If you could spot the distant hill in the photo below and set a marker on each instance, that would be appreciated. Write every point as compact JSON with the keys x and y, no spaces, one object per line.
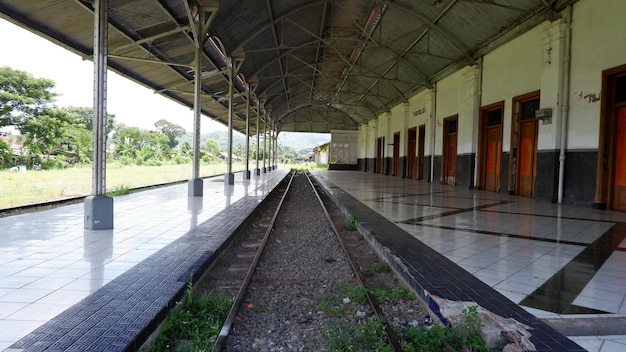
{"x":300,"y":141}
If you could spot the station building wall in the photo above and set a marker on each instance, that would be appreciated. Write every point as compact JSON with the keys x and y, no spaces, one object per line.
{"x":533,"y":63}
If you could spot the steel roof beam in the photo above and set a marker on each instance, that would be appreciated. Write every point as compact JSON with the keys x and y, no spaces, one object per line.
{"x":276,"y":45}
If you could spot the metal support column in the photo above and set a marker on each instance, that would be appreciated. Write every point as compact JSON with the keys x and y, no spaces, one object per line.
{"x":264,"y":141}
{"x":98,"y":207}
{"x":195,"y":184}
{"x":270,"y":148}
{"x":275,"y":145}
{"x":257,"y":171}
{"x":229,"y":177}
{"x":246,"y":172}
{"x":272,"y":142}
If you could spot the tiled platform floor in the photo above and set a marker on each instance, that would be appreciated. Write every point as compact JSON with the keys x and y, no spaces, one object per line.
{"x":99,"y":290}
{"x":556,"y":261}
{"x":50,"y":265}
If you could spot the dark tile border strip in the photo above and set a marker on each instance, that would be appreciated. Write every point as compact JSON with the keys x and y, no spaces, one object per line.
{"x":430,"y":273}
{"x":457,"y":211}
{"x":121,"y":315}
{"x":559,"y":292}
{"x":501,"y":234}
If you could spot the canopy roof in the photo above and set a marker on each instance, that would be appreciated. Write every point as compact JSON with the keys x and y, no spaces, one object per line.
{"x":315,"y":65}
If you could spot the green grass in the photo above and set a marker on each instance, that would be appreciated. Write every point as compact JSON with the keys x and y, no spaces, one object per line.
{"x":198,"y":322}
{"x":351,"y":223}
{"x":369,"y":334}
{"x":377,"y":269}
{"x":195,"y":325}
{"x":21,"y":188}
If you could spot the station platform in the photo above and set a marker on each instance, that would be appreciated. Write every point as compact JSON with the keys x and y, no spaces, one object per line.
{"x":515,"y":256}
{"x":66,"y":288}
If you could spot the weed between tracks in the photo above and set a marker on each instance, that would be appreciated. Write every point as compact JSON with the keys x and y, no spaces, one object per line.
{"x":355,"y":330}
{"x":195,"y":326}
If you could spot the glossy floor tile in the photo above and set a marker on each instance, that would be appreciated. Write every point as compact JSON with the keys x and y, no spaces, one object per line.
{"x":49,"y":262}
{"x":553,"y":260}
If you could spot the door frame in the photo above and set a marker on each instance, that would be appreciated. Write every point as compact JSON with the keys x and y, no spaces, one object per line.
{"x":380,"y":155}
{"x":447,"y":122}
{"x":515,"y":139}
{"x":395,"y":163}
{"x":411,"y":152}
{"x":608,"y":137}
{"x":482,"y":147}
{"x":421,"y":144}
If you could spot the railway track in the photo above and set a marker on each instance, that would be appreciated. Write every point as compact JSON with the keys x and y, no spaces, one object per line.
{"x":282,"y":269}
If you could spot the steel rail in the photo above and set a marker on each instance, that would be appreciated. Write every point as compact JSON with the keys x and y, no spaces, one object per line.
{"x":391,"y":336}
{"x":230,"y":319}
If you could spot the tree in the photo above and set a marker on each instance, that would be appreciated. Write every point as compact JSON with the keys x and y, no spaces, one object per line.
{"x":6,"y":154}
{"x":45,"y":131}
{"x":22,"y":96}
{"x":212,"y":147}
{"x":288,"y":154}
{"x":127,"y":140}
{"x":84,"y":116}
{"x":79,"y":141}
{"x":141,"y":145}
{"x":154,"y":145}
{"x":240,"y":151}
{"x":171,"y":130}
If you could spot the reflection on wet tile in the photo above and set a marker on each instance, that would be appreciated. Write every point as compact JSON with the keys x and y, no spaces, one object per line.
{"x":543,"y":242}
{"x":48,"y":262}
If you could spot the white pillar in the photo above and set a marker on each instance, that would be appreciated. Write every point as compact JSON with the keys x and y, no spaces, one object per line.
{"x":246,"y":172}
{"x":257,"y":170}
{"x":229,"y":177}
{"x":195,"y":184}
{"x":98,"y":209}
{"x":264,"y":141}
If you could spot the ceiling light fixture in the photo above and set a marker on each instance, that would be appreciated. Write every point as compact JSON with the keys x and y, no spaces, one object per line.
{"x":438,"y":3}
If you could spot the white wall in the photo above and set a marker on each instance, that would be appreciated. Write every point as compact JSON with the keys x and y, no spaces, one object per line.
{"x":455,"y":96}
{"x":343,"y":138}
{"x":528,"y":63}
{"x":598,"y":43}
{"x":512,"y":70}
{"x":420,"y":113}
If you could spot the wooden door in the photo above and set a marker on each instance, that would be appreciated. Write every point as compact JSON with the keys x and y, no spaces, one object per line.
{"x":449,"y":150}
{"x":493,"y":149}
{"x":527,"y":163}
{"x":619,"y":178}
{"x":490,"y":148}
{"x":420,"y":152}
{"x":380,"y":154}
{"x":611,"y":167}
{"x":410,"y":153}
{"x":396,"y":154}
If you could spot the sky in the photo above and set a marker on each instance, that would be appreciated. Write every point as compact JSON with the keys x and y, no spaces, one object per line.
{"x":132,"y":104}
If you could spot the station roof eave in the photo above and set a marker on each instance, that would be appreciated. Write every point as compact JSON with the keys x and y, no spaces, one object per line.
{"x":314,"y":65}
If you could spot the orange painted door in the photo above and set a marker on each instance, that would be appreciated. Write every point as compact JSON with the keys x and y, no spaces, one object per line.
{"x":451,"y":159}
{"x":619,"y":184}
{"x":527,"y":162}
{"x":492,"y":159}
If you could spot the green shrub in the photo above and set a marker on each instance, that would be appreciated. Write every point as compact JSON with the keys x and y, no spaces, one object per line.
{"x":351,"y":223}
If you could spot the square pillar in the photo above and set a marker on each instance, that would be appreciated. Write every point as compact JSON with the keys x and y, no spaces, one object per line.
{"x":98,"y":212}
{"x":195,"y":187}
